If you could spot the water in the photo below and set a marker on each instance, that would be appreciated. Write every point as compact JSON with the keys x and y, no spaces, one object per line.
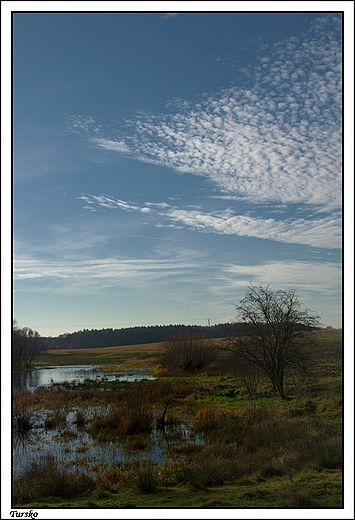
{"x":72,"y":444}
{"x":77,"y":449}
{"x":74,"y":374}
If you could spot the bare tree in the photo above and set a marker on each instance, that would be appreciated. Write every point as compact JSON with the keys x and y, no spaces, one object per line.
{"x":279,"y":333}
{"x":26,"y":346}
{"x":186,"y":352}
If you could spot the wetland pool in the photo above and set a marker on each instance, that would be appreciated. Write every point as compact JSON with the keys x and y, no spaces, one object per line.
{"x":73,"y":445}
{"x":76,"y":449}
{"x":75,"y":374}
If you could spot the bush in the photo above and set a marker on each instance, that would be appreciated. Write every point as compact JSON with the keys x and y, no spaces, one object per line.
{"x":80,"y":418}
{"x":137,"y":416}
{"x":301,"y":497}
{"x":271,"y":470}
{"x":329,"y":454}
{"x":187,"y":353}
{"x":129,"y":416}
{"x":146,"y":481}
{"x":250,"y":375}
{"x":55,"y":418}
{"x":171,"y":473}
{"x":210,"y":418}
{"x":47,"y":478}
{"x":134,"y":443}
{"x":208,"y":471}
{"x":23,"y":418}
{"x":108,"y":476}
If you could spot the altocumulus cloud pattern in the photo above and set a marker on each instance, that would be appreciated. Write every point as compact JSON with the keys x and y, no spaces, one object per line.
{"x":276,"y":140}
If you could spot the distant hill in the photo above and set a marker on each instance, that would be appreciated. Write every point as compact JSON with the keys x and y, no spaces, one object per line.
{"x":138,"y":335}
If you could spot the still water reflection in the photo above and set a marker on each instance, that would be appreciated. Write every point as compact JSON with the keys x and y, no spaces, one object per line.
{"x":74,"y":374}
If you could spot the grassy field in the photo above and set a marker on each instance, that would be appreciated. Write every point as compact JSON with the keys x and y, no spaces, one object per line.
{"x":130,"y":356}
{"x":258,"y":451}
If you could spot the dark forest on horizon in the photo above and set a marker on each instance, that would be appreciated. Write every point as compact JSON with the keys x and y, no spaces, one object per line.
{"x":109,"y":337}
{"x":139,"y":335}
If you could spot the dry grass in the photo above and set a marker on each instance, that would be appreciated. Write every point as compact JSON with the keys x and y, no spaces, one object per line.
{"x":101,"y":350}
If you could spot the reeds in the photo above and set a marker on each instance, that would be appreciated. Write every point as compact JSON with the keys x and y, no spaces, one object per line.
{"x":131,"y":415}
{"x":146,"y":481}
{"x":46,"y":477}
{"x":23,"y":418}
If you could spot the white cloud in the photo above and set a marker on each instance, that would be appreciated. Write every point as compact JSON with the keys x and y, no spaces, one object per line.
{"x":310,"y":276}
{"x":278,"y":141}
{"x":322,"y":232}
{"x":108,"y":202}
{"x":316,"y":283}
{"x":109,"y":144}
{"x":102,"y":274}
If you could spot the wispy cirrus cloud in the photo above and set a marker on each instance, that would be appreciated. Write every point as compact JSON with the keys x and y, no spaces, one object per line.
{"x":321,"y":232}
{"x":108,"y":202}
{"x":324,"y":277}
{"x":316,"y":282}
{"x":225,"y":280}
{"x":103,"y":274}
{"x":325,"y":232}
{"x":278,"y":140}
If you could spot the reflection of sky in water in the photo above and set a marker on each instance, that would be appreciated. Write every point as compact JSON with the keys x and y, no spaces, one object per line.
{"x":68,"y":448}
{"x":30,"y":379}
{"x":67,"y":442}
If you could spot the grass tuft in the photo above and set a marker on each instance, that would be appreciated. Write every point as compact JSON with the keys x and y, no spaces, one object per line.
{"x":301,"y":497}
{"x":46,"y":477}
{"x":146,"y":481}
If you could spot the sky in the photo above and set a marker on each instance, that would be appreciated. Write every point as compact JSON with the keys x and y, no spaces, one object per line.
{"x":162,"y":162}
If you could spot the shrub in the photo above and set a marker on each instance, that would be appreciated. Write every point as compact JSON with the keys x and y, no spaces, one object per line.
{"x":46,"y":477}
{"x":209,"y":418}
{"x":271,"y":470}
{"x":109,"y":476}
{"x":134,"y":444}
{"x":80,"y":418}
{"x":137,"y":416}
{"x":129,"y":416}
{"x":329,"y":454}
{"x":187,"y":353}
{"x":206,"y":472}
{"x":250,"y":375}
{"x":23,"y":418}
{"x":23,"y":422}
{"x":146,"y":481}
{"x":301,"y":497}
{"x":171,"y":473}
{"x":55,"y":418}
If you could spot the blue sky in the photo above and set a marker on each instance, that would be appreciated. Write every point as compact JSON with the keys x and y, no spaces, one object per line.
{"x":162,"y":162}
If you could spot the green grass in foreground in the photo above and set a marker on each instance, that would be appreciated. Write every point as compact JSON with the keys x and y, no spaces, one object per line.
{"x":307,"y":490}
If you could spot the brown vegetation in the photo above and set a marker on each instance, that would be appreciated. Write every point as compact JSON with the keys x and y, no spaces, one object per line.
{"x":263,"y":448}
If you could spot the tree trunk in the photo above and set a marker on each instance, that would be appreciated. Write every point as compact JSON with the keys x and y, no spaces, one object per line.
{"x":277,"y":383}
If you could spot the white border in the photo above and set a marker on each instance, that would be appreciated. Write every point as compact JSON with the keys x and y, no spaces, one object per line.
{"x":6,"y":273}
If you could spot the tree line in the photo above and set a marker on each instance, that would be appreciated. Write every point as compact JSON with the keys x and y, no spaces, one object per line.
{"x":138,"y":335}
